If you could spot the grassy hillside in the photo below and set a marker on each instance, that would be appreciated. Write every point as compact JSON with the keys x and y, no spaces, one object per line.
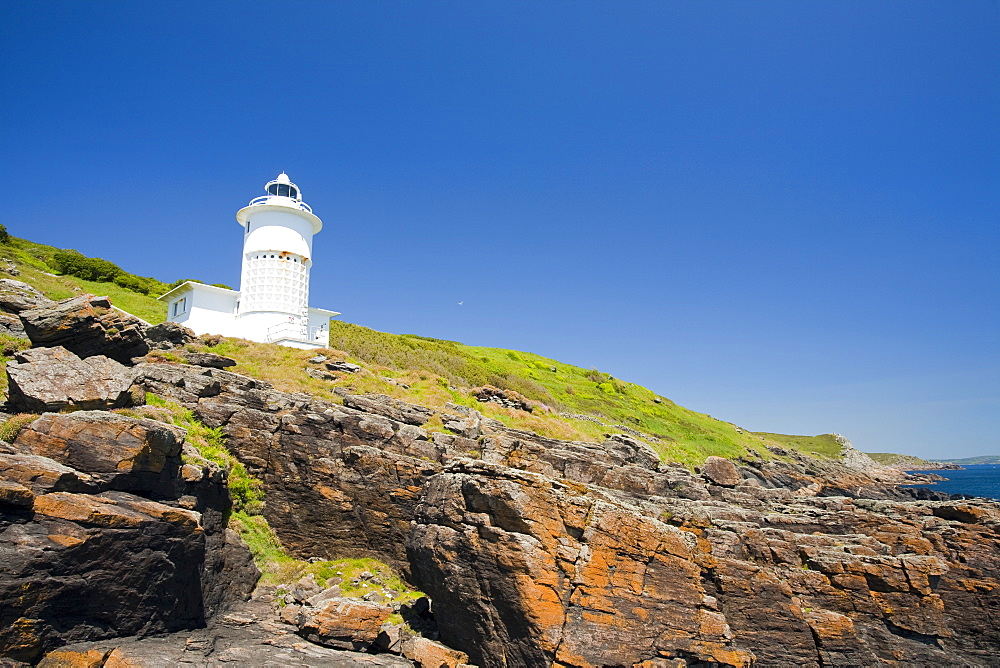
{"x":568,"y":402}
{"x":38,"y":268}
{"x":824,"y":445}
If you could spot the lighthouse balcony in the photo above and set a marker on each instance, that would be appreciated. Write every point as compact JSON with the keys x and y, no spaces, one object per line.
{"x":281,"y":201}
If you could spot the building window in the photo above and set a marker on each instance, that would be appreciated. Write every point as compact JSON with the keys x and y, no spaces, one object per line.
{"x":180,"y":306}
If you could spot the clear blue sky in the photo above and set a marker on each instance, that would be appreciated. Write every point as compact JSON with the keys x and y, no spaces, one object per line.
{"x":784,"y":214}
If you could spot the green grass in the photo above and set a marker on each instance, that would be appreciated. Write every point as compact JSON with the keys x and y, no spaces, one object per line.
{"x":13,"y":425}
{"x":438,"y":371}
{"x":277,"y":567}
{"x":8,"y":346}
{"x":267,"y":551}
{"x":679,"y":434}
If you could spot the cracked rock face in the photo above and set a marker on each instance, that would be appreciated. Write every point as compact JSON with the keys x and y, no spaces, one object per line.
{"x":537,"y":551}
{"x":104,"y":533}
{"x":54,"y":379}
{"x":86,"y":325}
{"x":528,"y":570}
{"x":17,"y":296}
{"x":524,"y":569}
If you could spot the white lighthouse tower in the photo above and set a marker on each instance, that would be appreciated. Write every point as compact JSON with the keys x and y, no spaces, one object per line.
{"x":272,"y":304}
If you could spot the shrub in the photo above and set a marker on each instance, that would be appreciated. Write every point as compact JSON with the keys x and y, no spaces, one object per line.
{"x":133,"y":283}
{"x":4,"y":235}
{"x":76,"y":264}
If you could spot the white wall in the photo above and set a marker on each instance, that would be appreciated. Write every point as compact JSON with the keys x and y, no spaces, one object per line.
{"x":206,"y":310}
{"x":278,"y":231}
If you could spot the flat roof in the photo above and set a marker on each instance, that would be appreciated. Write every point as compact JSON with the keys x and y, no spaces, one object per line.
{"x":193,"y":285}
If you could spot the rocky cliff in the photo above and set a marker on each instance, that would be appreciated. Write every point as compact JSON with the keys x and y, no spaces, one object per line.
{"x":533,"y":551}
{"x":539,"y":552}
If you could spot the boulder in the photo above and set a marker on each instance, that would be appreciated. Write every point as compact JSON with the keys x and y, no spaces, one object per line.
{"x":429,"y":654}
{"x":394,"y":409}
{"x":83,"y":558}
{"x":346,"y":367}
{"x":344,"y":623}
{"x":11,"y":326}
{"x":54,"y":379}
{"x":181,"y":382}
{"x":135,"y":454}
{"x":170,"y":335}
{"x":86,"y":325}
{"x":505,"y":398}
{"x":97,"y":566}
{"x":721,"y":471}
{"x":319,"y":374}
{"x":40,"y":475}
{"x":17,"y":296}
{"x":246,"y":636}
{"x":209,"y":359}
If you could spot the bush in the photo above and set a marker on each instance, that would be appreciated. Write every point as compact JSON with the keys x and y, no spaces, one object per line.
{"x":4,"y":235}
{"x":133,"y":283}
{"x":88,"y":268}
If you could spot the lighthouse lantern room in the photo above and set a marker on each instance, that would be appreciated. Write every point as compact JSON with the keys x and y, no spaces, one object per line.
{"x":272,"y":304}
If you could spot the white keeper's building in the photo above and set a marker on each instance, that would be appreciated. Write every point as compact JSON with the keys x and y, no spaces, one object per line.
{"x":272,"y":304}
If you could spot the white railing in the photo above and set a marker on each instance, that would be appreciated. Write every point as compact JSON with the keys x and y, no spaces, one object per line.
{"x":295,"y":203}
{"x":285,"y":330}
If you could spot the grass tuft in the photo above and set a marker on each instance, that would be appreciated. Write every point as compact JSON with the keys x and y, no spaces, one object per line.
{"x":13,"y":425}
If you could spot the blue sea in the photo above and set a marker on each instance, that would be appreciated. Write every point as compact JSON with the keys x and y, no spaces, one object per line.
{"x":975,"y":479}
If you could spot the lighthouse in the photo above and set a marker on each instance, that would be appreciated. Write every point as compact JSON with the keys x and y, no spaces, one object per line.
{"x":272,"y":304}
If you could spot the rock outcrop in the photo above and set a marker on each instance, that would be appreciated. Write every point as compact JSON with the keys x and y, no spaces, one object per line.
{"x":525,"y":570}
{"x":104,"y":532}
{"x":247,"y":636}
{"x":168,"y":335}
{"x":54,"y":379}
{"x":522,"y":566}
{"x":86,"y":325}
{"x":209,"y":359}
{"x":17,"y":296}
{"x":538,"y":551}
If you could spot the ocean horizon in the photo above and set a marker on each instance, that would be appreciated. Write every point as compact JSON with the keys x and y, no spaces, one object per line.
{"x":974,"y":479}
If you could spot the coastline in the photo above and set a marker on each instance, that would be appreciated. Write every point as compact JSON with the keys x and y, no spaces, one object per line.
{"x":973,"y":482}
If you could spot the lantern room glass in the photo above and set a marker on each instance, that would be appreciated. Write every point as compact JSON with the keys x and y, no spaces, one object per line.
{"x":282,"y":190}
